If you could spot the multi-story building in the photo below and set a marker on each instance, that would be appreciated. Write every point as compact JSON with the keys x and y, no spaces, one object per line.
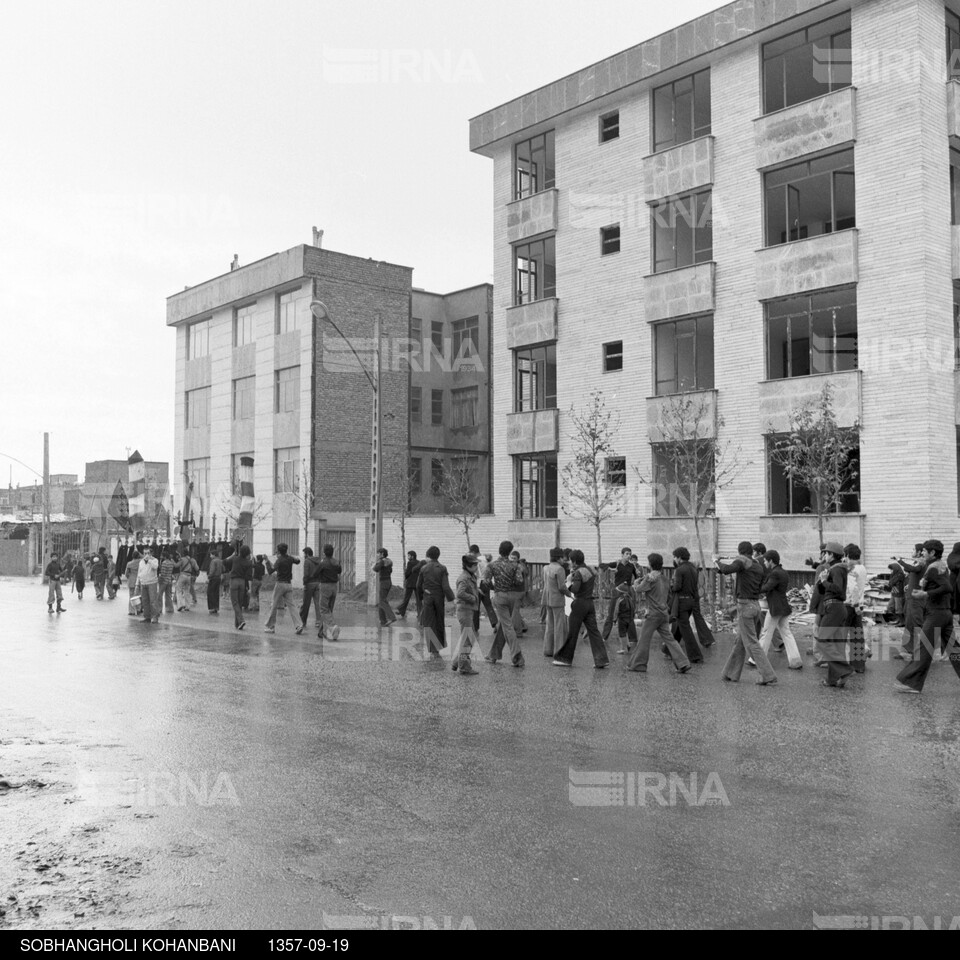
{"x":100,"y":481}
{"x":744,"y":208}
{"x":64,"y":497}
{"x":259,"y":376}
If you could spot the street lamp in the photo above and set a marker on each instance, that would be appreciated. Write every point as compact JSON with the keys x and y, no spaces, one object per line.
{"x":374,"y":530}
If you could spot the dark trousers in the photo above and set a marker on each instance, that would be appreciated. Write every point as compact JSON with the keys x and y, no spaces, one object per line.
{"x":237,"y":589}
{"x":311,"y":592}
{"x":683,"y":632}
{"x":937,"y":630}
{"x":213,"y":594}
{"x":432,"y":621}
{"x":832,"y":640}
{"x":383,"y":605}
{"x":488,"y":607}
{"x":858,"y":647}
{"x":704,"y":633}
{"x":584,"y":614}
{"x":914,"y":613}
{"x":408,"y":594}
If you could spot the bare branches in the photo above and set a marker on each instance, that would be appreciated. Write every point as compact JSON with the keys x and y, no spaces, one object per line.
{"x":461,"y":492}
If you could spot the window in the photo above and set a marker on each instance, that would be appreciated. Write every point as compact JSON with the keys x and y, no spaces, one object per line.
{"x":235,"y":472}
{"x":198,"y":473}
{"x":953,"y":45}
{"x":416,"y":330}
{"x":197,"y":407}
{"x":286,"y":470}
{"x":681,"y":111}
{"x":416,"y":404}
{"x":536,"y":276}
{"x":610,"y":126}
{"x":198,"y":340}
{"x":536,"y":487}
{"x":244,"y":398}
{"x":615,"y":471}
{"x":287,"y":390}
{"x":466,"y":337}
{"x":291,"y":537}
{"x":609,"y":240}
{"x":955,"y":187}
{"x":812,"y":334}
{"x":288,"y":318}
{"x":956,"y":326}
{"x":436,"y":407}
{"x":613,"y":356}
{"x":536,"y":378}
{"x":807,"y":64}
{"x":683,"y":355}
{"x":682,"y":231}
{"x":535,"y":165}
{"x":436,"y":336}
{"x":465,"y":404}
{"x":243,"y":325}
{"x":673,"y":494}
{"x":810,"y":199}
{"x":416,"y":476}
{"x":789,"y":496}
{"x":436,"y":477}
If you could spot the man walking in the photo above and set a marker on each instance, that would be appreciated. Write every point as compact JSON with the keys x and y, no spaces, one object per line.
{"x":53,"y":573}
{"x":654,"y":590}
{"x":311,"y":586}
{"x":749,"y":580}
{"x":383,"y":568}
{"x":214,"y":580}
{"x":856,"y":588}
{"x":183,"y":574}
{"x":330,"y":572}
{"x":99,"y":572}
{"x":914,"y":610}
{"x":148,"y":579}
{"x":624,"y":572}
{"x":485,"y":600}
{"x":686,"y":592}
{"x":832,"y":632}
{"x":506,"y":580}
{"x":410,"y":574}
{"x":131,"y":573}
{"x":774,"y":588}
{"x":554,"y":592}
{"x":283,"y":591}
{"x":168,"y":571}
{"x":467,"y":596}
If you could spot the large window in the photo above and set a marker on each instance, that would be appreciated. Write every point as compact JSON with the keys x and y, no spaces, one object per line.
{"x":288,"y":317}
{"x":807,"y":64}
{"x":536,"y":378}
{"x":436,"y":407}
{"x":683,"y":355}
{"x":465,"y":404}
{"x":682,"y":231}
{"x":681,"y":111}
{"x":953,"y":45}
{"x":198,"y":473}
{"x":536,"y":487}
{"x":243,"y":324}
{"x":535,"y":165}
{"x":197,"y":407}
{"x":436,"y":477}
{"x":416,"y":404}
{"x":812,"y":334}
{"x":436,"y":336}
{"x":244,"y":398}
{"x":956,"y":326}
{"x":674,"y":495}
{"x":955,"y":187}
{"x":416,"y":476}
{"x":287,"y":390}
{"x":416,"y":331}
{"x":789,"y":496}
{"x":536,"y":270}
{"x":286,"y":470}
{"x":466,"y":337}
{"x":810,"y":198}
{"x":198,"y":339}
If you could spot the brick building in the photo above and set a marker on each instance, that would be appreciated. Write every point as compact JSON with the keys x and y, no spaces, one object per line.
{"x":258,"y":376}
{"x":744,"y":208}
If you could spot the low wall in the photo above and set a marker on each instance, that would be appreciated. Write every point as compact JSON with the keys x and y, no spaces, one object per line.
{"x":15,"y":558}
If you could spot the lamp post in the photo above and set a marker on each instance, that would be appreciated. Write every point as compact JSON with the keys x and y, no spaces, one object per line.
{"x":374,"y":527}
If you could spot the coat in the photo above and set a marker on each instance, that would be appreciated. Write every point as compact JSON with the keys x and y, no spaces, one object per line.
{"x":554,"y":585}
{"x":774,"y":588}
{"x":467,"y":593}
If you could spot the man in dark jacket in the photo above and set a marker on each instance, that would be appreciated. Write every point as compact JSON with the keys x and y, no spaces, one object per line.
{"x":383,"y":568}
{"x":624,"y":571}
{"x":434,"y":582}
{"x":410,"y":574}
{"x":53,"y":573}
{"x":311,"y":586}
{"x":774,"y":588}
{"x":686,"y":592}
{"x":914,"y":607}
{"x":330,"y":572}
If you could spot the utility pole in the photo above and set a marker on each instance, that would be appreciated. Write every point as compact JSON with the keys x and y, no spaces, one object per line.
{"x":45,"y":534}
{"x":376,"y":464}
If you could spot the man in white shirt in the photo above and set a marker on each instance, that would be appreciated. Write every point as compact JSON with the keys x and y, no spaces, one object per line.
{"x":856,"y":589}
{"x":149,"y":580}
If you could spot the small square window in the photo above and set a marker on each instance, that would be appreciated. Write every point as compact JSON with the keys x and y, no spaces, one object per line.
{"x":610,"y":240}
{"x":613,"y":356}
{"x":616,"y":471}
{"x":610,"y":127}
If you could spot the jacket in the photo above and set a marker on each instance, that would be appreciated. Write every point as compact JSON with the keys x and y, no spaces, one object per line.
{"x":936,"y":583}
{"x":505,"y":576}
{"x":655,"y":589}
{"x":622,"y":572}
{"x":468,"y":592}
{"x":554,"y":585}
{"x":835,"y":586}
{"x":215,"y":568}
{"x":624,"y":610}
{"x":410,"y":573}
{"x":749,"y":576}
{"x":330,"y":570}
{"x":434,"y":580}
{"x":774,"y":588}
{"x":582,"y":583}
{"x":686,"y":580}
{"x":384,"y":567}
{"x":311,"y":570}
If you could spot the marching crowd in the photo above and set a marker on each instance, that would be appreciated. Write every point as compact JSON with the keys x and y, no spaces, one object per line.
{"x":924,"y":589}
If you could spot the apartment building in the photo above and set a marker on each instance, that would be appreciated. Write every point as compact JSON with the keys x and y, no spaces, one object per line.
{"x":259,"y":376}
{"x":743,"y":209}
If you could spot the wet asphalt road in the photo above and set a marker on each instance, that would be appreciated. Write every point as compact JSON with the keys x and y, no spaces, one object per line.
{"x":185,"y":776}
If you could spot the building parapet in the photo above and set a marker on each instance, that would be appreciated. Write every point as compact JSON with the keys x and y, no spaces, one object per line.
{"x":532,"y":323}
{"x":532,"y":215}
{"x":699,"y":414}
{"x":679,"y":169}
{"x":828,"y":260}
{"x":778,"y":398}
{"x":536,"y":431}
{"x":680,"y":293}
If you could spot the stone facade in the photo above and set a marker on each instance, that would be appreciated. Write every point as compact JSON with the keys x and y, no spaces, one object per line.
{"x":807,"y":128}
{"x":953,"y":108}
{"x":531,"y":323}
{"x":779,"y":397}
{"x":679,"y":293}
{"x":795,"y":538}
{"x":683,"y":168}
{"x":532,"y":432}
{"x":696,"y":411}
{"x":532,"y":215}
{"x":829,"y":260}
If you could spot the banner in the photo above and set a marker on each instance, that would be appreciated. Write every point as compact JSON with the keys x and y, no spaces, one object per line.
{"x":119,"y":507}
{"x":247,"y":500}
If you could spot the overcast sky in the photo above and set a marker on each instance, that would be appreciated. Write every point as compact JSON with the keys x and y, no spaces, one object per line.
{"x":142,"y":145}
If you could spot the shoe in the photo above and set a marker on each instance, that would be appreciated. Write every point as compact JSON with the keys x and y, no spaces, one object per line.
{"x":751,"y":665}
{"x":144,"y":619}
{"x":799,"y":666}
{"x":840,"y":684}
{"x":821,"y":663}
{"x":466,"y":668}
{"x":727,"y":679}
{"x":903,"y":688}
{"x":269,"y":630}
{"x":242,"y":625}
{"x":685,"y":669}
{"x":562,"y":663}
{"x":766,"y":683}
{"x":491,"y":660}
{"x":61,"y":610}
{"x":299,"y":630}
{"x":49,"y":608}
{"x":636,"y":669}
{"x":335,"y":633}
{"x":520,"y":663}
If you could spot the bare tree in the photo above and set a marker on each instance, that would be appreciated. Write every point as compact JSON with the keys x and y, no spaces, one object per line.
{"x":587,"y":493}
{"x":307,"y":499}
{"x":691,"y":465}
{"x":227,"y":503}
{"x":817,"y":454}
{"x":461,"y":493}
{"x":400,"y":483}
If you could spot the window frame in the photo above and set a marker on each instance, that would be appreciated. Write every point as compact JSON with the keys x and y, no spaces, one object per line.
{"x":436,"y":407}
{"x":539,"y":374}
{"x":246,"y":312}
{"x":701,"y":252}
{"x":199,"y":476}
{"x":521,"y":189}
{"x":696,"y":132}
{"x":194,"y":344}
{"x":706,"y":319}
{"x":661,"y":463}
{"x":609,"y":131}
{"x":234,"y":393}
{"x":281,"y":314}
{"x":468,"y":397}
{"x":615,"y":476}
{"x":437,"y":476}
{"x":466,"y":329}
{"x":805,"y":507}
{"x":546,"y":257}
{"x":543,"y":493}
{"x":610,"y":243}
{"x":608,"y":354}
{"x":416,"y":404}
{"x":280,"y":389}
{"x":281,"y":487}
{"x":190,"y":405}
{"x":952,"y":22}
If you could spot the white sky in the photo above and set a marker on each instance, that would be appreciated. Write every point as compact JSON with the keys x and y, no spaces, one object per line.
{"x":142,"y":145}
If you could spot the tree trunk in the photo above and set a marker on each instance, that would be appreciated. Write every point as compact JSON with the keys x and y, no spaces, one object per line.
{"x":403,"y":538}
{"x":819,"y":530}
{"x":599,"y":547}
{"x":711,"y":605}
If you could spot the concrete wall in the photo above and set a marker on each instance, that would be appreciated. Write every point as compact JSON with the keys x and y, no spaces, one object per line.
{"x":15,"y":558}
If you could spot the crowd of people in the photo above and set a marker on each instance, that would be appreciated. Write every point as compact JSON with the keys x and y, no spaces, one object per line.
{"x":667,"y":603}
